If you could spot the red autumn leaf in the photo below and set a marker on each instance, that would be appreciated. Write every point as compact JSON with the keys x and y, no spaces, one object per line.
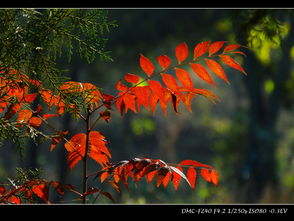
{"x":170,"y":82}
{"x":193,"y":163}
{"x":215,"y":47}
{"x":30,"y":98}
{"x":46,"y":116}
{"x":191,"y":176}
{"x":12,"y":110}
{"x":217,"y":69}
{"x":202,"y":73}
{"x":184,"y":77}
{"x":164,"y":61}
{"x":164,"y":100}
{"x":231,"y":47}
{"x":107,"y":100}
{"x":2,"y":190}
{"x":97,"y":150}
{"x":146,"y":65}
{"x":142,"y":96}
{"x":156,"y":88}
{"x":91,"y":94}
{"x":131,"y":78}
{"x":126,"y":101}
{"x":205,"y":173}
{"x":105,"y":115}
{"x":42,"y":191}
{"x":232,"y":63}
{"x":181,"y":52}
{"x":39,"y":109}
{"x":200,"y":49}
{"x":119,"y":86}
{"x":56,"y":139}
{"x":35,"y":121}
{"x":214,"y":177}
{"x":15,"y":200}
{"x":24,"y":116}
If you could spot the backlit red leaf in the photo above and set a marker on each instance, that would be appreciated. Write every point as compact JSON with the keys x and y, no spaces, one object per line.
{"x":191,"y":175}
{"x":170,"y":82}
{"x":184,"y":77}
{"x":131,"y":78}
{"x":164,"y":61}
{"x":231,"y":47}
{"x":202,"y":73}
{"x":181,"y":52}
{"x":42,"y":191}
{"x":146,"y":65}
{"x":215,"y":47}
{"x":35,"y":121}
{"x":232,"y":63}
{"x":24,"y":116}
{"x":200,"y":49}
{"x":217,"y":69}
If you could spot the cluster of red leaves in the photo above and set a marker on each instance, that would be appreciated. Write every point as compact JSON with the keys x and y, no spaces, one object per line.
{"x":38,"y":187}
{"x":97,"y":149}
{"x":138,"y":168}
{"x":180,"y":88}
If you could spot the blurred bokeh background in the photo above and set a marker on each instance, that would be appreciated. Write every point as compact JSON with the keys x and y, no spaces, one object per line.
{"x":248,"y":136}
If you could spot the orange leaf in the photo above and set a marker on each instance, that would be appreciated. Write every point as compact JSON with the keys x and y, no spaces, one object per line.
{"x":217,"y":69}
{"x":30,"y":97}
{"x":215,"y":47}
{"x":131,"y":78}
{"x":177,"y":174}
{"x":181,"y":52}
{"x":24,"y":116}
{"x":200,"y":49}
{"x":146,"y":65}
{"x":232,"y":63}
{"x":231,"y":47}
{"x":191,"y":175}
{"x":202,"y":73}
{"x":156,"y":88}
{"x":35,"y":121}
{"x":184,"y":77}
{"x":164,"y":61}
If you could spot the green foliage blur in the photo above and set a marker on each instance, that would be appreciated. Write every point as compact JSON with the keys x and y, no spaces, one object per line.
{"x":248,"y":136}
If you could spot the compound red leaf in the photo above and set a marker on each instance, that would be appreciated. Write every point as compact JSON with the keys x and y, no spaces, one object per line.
{"x":164,"y":61}
{"x":202,"y":73}
{"x":231,"y":47}
{"x":181,"y":52}
{"x":217,"y":69}
{"x":97,"y":150}
{"x":191,"y":176}
{"x":131,"y":78}
{"x":215,"y":47}
{"x":232,"y":63}
{"x":200,"y":49}
{"x":146,"y":65}
{"x":184,"y":77}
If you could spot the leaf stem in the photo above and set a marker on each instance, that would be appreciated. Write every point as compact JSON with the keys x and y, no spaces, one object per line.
{"x":85,"y":159}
